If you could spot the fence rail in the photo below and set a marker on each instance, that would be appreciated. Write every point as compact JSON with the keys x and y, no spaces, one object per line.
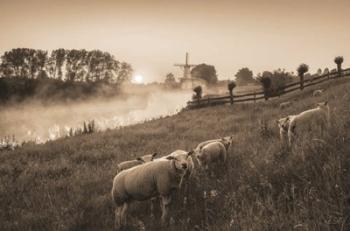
{"x":254,"y":96}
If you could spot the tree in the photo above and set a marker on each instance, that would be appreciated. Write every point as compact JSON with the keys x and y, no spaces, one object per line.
{"x":265,"y":81}
{"x":198,"y":90}
{"x":244,"y":76}
{"x":59,"y":56}
{"x":125,"y":73}
{"x":302,"y":69}
{"x":230,"y":86}
{"x":169,"y":78}
{"x":205,"y":72}
{"x":339,"y":61}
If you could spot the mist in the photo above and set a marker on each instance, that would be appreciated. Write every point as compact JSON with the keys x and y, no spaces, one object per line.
{"x":33,"y":121}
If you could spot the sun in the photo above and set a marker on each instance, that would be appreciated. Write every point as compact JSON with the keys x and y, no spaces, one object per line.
{"x":138,"y":79}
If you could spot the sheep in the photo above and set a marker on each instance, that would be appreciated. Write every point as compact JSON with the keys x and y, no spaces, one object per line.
{"x":308,"y":120}
{"x":317,"y":93}
{"x":139,"y":160}
{"x":285,"y":104}
{"x":227,"y":141}
{"x":146,"y":181}
{"x":212,"y":153}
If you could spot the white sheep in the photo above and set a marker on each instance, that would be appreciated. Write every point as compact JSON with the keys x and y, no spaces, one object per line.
{"x":285,"y":104}
{"x":310,"y":120}
{"x":317,"y":93}
{"x":226,"y":141}
{"x":211,"y":153}
{"x":146,"y":181}
{"x":139,"y":160}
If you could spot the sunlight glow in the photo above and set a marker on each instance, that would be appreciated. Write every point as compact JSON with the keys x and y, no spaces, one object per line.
{"x":138,"y":79}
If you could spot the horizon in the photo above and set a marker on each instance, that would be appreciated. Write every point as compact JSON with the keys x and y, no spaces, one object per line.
{"x":152,"y":36}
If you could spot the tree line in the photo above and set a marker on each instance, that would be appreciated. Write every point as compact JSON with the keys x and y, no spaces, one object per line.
{"x":63,"y":64}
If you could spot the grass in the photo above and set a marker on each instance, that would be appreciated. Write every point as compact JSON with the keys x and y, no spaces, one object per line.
{"x":66,"y":184}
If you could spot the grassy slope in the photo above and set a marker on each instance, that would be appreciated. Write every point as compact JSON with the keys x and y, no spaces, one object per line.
{"x":65,"y":185}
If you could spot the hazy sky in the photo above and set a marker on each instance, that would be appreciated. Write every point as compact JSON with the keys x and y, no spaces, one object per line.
{"x":153,"y":35}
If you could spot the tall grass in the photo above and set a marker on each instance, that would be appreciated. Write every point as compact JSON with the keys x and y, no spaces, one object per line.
{"x":66,"y":184}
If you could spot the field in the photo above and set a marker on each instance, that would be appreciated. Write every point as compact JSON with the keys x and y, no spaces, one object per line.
{"x":66,"y":184}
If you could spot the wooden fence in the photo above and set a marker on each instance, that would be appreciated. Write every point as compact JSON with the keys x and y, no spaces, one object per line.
{"x":255,"y":96}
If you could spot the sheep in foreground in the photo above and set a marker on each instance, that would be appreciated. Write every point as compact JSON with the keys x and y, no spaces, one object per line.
{"x":212,"y":153}
{"x":310,"y":120}
{"x":317,"y":93}
{"x":226,"y":141}
{"x":139,"y":160}
{"x":285,"y":104}
{"x":146,"y":181}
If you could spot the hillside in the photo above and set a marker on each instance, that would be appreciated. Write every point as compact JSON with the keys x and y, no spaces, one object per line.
{"x":66,"y":184}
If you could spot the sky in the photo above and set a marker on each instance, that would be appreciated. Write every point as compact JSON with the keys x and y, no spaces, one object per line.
{"x":154,"y":35}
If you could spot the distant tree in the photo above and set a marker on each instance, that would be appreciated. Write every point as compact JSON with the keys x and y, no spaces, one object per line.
{"x":326,"y":70}
{"x":205,"y":72}
{"x":198,"y":90}
{"x":302,"y":69}
{"x":244,"y":76}
{"x":59,"y":56}
{"x":265,"y":81}
{"x":339,"y":61}
{"x":169,"y":78}
{"x":125,"y":73}
{"x":230,"y":86}
{"x":319,"y":71}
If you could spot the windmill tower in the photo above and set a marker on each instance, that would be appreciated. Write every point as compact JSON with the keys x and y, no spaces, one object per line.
{"x":186,"y":67}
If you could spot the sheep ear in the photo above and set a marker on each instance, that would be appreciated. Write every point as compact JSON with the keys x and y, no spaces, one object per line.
{"x":170,"y":158}
{"x":139,"y":159}
{"x":154,"y":154}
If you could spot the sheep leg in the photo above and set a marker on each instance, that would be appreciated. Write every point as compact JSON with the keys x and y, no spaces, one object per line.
{"x":123,"y":214}
{"x":165,"y":200}
{"x":117,"y":214}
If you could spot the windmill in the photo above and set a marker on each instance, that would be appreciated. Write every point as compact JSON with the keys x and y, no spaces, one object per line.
{"x":186,"y":67}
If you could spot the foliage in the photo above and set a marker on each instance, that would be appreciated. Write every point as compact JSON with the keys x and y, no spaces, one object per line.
{"x":69,"y":65}
{"x":302,"y":69}
{"x":205,"y":72}
{"x":339,"y":60}
{"x":231,"y":85}
{"x":244,"y":76}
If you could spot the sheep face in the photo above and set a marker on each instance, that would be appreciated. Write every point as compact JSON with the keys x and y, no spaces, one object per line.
{"x":202,"y":160}
{"x":323,"y":105}
{"x":147,"y":158}
{"x":181,"y":161}
{"x":283,"y":123}
{"x":227,"y":141}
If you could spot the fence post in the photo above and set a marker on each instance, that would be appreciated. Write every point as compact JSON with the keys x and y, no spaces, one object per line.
{"x":254,"y":97}
{"x":301,"y":82}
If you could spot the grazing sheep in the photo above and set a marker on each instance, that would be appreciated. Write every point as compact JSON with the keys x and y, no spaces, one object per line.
{"x":139,"y":160}
{"x":212,"y":153}
{"x":309,"y":120}
{"x":285,"y":104}
{"x":317,"y":93}
{"x":226,"y":141}
{"x":146,"y":181}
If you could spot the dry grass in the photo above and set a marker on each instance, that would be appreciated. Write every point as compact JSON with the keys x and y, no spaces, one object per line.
{"x":65,"y":185}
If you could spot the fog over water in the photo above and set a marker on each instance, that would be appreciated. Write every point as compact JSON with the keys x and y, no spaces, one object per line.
{"x":33,"y":121}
